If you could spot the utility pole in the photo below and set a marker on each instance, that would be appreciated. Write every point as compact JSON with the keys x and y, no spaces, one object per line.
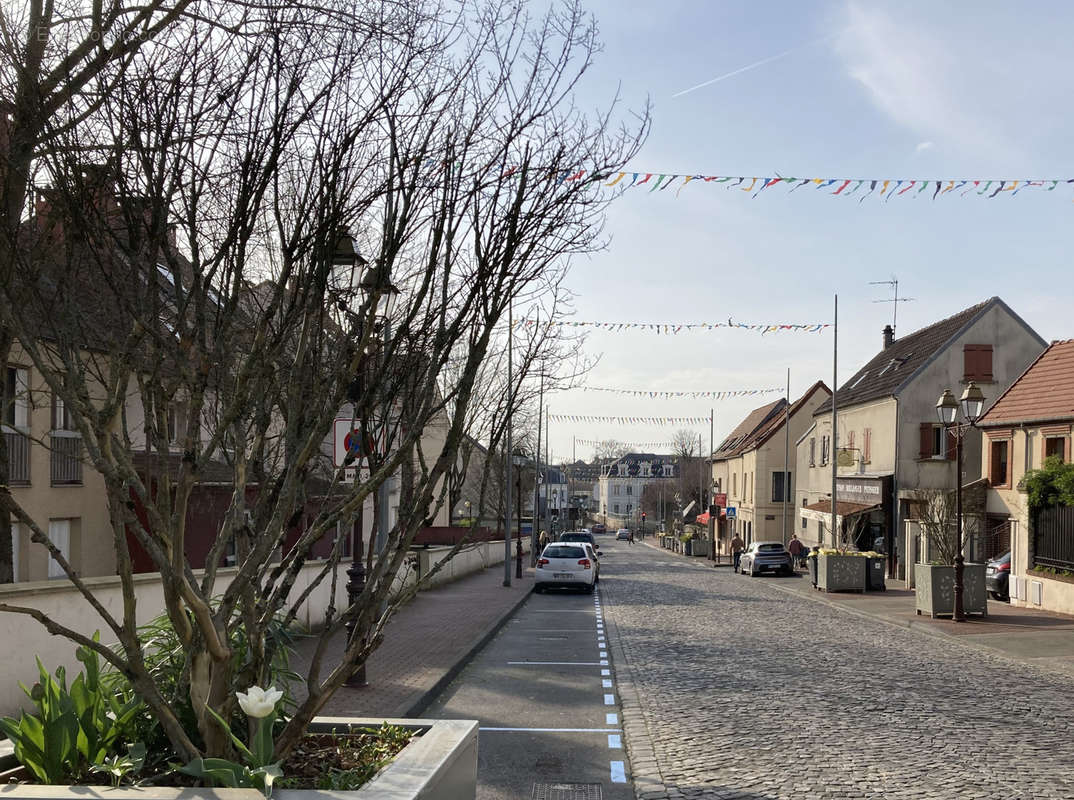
{"x":786,"y":456}
{"x":712,"y":520}
{"x":534,"y":541}
{"x":835,"y":389}
{"x":507,"y":450}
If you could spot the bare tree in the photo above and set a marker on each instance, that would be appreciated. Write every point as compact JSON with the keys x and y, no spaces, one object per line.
{"x":610,"y":450}
{"x":190,"y":287}
{"x":684,"y":443}
{"x":935,"y":513}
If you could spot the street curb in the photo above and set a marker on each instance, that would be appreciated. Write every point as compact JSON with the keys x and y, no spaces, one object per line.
{"x":416,"y":707}
{"x":636,"y":734}
{"x":919,"y":628}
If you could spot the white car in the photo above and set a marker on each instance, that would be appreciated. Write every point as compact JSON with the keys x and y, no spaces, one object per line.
{"x":565,"y":564}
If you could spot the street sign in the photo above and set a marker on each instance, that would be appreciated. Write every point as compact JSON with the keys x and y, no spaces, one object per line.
{"x":720,"y":499}
{"x":732,"y":512}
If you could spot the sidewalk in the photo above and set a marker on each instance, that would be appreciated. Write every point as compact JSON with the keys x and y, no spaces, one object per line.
{"x":1033,"y":637}
{"x":426,"y":643}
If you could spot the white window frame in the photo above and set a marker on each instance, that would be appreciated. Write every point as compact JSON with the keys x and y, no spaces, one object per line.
{"x":59,"y":533}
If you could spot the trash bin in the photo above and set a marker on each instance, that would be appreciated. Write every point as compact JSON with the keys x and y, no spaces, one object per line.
{"x":811,"y":561}
{"x":688,"y":547}
{"x":874,"y":575}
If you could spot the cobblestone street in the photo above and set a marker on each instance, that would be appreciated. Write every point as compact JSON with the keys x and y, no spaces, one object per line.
{"x":733,"y":689}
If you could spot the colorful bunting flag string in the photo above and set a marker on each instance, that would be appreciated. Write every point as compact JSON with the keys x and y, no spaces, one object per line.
{"x":628,"y":420}
{"x":671,"y":328}
{"x":638,"y":445}
{"x":667,"y":395}
{"x":862,"y":188}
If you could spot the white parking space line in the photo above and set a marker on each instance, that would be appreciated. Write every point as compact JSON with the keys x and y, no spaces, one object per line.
{"x":606,"y":683}
{"x":557,"y":663}
{"x":615,"y":741}
{"x":546,"y":730}
{"x":609,"y":699}
{"x":611,"y":719}
{"x":618,"y":772}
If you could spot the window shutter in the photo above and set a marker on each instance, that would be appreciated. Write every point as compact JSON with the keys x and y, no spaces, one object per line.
{"x":867,"y":444}
{"x":925,"y":450}
{"x":952,"y":444}
{"x":984,"y":362}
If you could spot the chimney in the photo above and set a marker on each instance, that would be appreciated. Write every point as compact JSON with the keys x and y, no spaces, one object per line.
{"x":889,"y":336}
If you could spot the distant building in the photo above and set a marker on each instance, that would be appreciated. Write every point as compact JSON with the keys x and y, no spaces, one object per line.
{"x":622,"y":482}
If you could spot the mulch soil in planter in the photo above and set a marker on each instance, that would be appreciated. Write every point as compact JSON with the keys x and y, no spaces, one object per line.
{"x":341,"y":761}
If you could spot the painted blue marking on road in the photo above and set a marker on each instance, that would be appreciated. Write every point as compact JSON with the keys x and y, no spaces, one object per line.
{"x":606,"y":683}
{"x":618,"y":772}
{"x":603,"y":654}
{"x":609,"y":699}
{"x":615,"y":741}
{"x":604,"y":662}
{"x":605,"y":672}
{"x":611,"y":719}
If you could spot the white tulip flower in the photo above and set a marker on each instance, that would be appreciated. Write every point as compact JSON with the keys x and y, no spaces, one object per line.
{"x":258,"y":702}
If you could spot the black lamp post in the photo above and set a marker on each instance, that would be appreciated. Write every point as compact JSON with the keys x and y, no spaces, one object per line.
{"x":375,"y":288}
{"x":972,"y":403}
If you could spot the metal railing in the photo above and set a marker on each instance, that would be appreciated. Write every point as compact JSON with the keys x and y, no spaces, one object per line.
{"x":66,"y":458}
{"x":18,"y":457}
{"x":1053,"y":538}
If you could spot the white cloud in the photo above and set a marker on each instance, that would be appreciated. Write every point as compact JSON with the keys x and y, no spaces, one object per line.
{"x":923,"y":146}
{"x":930,"y":84}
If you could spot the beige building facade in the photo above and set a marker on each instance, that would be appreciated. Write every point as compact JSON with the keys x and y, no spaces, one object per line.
{"x":755,"y":467}
{"x":888,"y":444}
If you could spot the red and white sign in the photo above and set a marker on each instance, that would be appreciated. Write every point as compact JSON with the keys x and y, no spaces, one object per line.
{"x":347,"y":438}
{"x":720,"y":499}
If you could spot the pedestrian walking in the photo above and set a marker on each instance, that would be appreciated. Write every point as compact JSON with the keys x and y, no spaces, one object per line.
{"x":631,"y":539}
{"x":542,"y":540}
{"x":796,"y":549}
{"x":736,"y":551}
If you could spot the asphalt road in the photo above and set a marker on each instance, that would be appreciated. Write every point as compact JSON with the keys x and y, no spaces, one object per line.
{"x":545,"y":695}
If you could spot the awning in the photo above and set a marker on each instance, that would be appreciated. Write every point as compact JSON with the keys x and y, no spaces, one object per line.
{"x":702,"y":519}
{"x":822,"y":511}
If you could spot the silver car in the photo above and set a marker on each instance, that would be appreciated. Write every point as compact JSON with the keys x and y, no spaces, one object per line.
{"x":766,"y":557}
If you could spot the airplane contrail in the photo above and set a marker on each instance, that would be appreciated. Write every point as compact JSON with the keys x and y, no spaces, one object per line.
{"x":754,"y":65}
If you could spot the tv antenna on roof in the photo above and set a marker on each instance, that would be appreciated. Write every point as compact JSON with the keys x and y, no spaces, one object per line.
{"x":894,"y":300}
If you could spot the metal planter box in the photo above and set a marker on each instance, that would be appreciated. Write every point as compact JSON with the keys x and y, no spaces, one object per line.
{"x":441,"y":764}
{"x":839,"y":573}
{"x":935,"y":589}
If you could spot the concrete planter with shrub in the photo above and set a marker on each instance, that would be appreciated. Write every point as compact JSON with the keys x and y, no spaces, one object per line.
{"x":441,"y":763}
{"x":934,"y":589}
{"x":837,"y":572}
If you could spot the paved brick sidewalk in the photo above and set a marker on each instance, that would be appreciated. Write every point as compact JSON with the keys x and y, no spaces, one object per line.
{"x":425,"y":644}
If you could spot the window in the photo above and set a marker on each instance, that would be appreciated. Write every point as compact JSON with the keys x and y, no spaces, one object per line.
{"x":936,"y":442}
{"x":734,"y":485}
{"x":629,"y":508}
{"x":805,"y":523}
{"x":61,"y":419}
{"x":867,"y":445}
{"x":779,"y":480}
{"x":59,"y":533}
{"x":615,"y":490}
{"x":998,"y":474}
{"x":977,"y":362}
{"x":824,"y":449}
{"x":813,"y":452}
{"x":630,"y":489}
{"x":1055,"y":446}
{"x":17,"y":398}
{"x":615,"y":508}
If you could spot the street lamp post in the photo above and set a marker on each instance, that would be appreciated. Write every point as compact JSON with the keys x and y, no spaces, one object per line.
{"x":375,"y":286}
{"x":972,"y":403}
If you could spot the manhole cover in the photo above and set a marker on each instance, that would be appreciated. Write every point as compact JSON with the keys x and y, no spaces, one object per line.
{"x":567,"y":791}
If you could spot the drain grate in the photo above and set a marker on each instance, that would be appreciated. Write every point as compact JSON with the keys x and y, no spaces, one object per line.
{"x":567,"y":791}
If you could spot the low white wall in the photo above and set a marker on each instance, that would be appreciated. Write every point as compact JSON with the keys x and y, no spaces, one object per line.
{"x":24,"y":638}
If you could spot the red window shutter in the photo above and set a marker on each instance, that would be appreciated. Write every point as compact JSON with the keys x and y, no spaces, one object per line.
{"x":952,"y":444}
{"x":926,"y":440}
{"x":969,"y":362}
{"x":984,"y":362}
{"x":867,"y":444}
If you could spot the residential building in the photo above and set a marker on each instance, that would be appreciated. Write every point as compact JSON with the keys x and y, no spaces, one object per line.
{"x":755,"y":468}
{"x":889,"y":445}
{"x":1030,"y":422}
{"x":622,"y":482}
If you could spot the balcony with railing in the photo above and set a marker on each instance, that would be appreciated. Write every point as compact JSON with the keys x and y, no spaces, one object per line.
{"x":66,"y":458}
{"x":18,"y":457}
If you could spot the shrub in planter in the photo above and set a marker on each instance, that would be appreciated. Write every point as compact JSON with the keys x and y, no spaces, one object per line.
{"x":841,"y":571}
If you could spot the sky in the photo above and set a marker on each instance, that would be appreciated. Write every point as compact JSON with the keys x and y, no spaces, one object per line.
{"x":853,"y":89}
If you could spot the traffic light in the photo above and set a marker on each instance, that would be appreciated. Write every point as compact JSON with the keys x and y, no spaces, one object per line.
{"x":643,"y":516}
